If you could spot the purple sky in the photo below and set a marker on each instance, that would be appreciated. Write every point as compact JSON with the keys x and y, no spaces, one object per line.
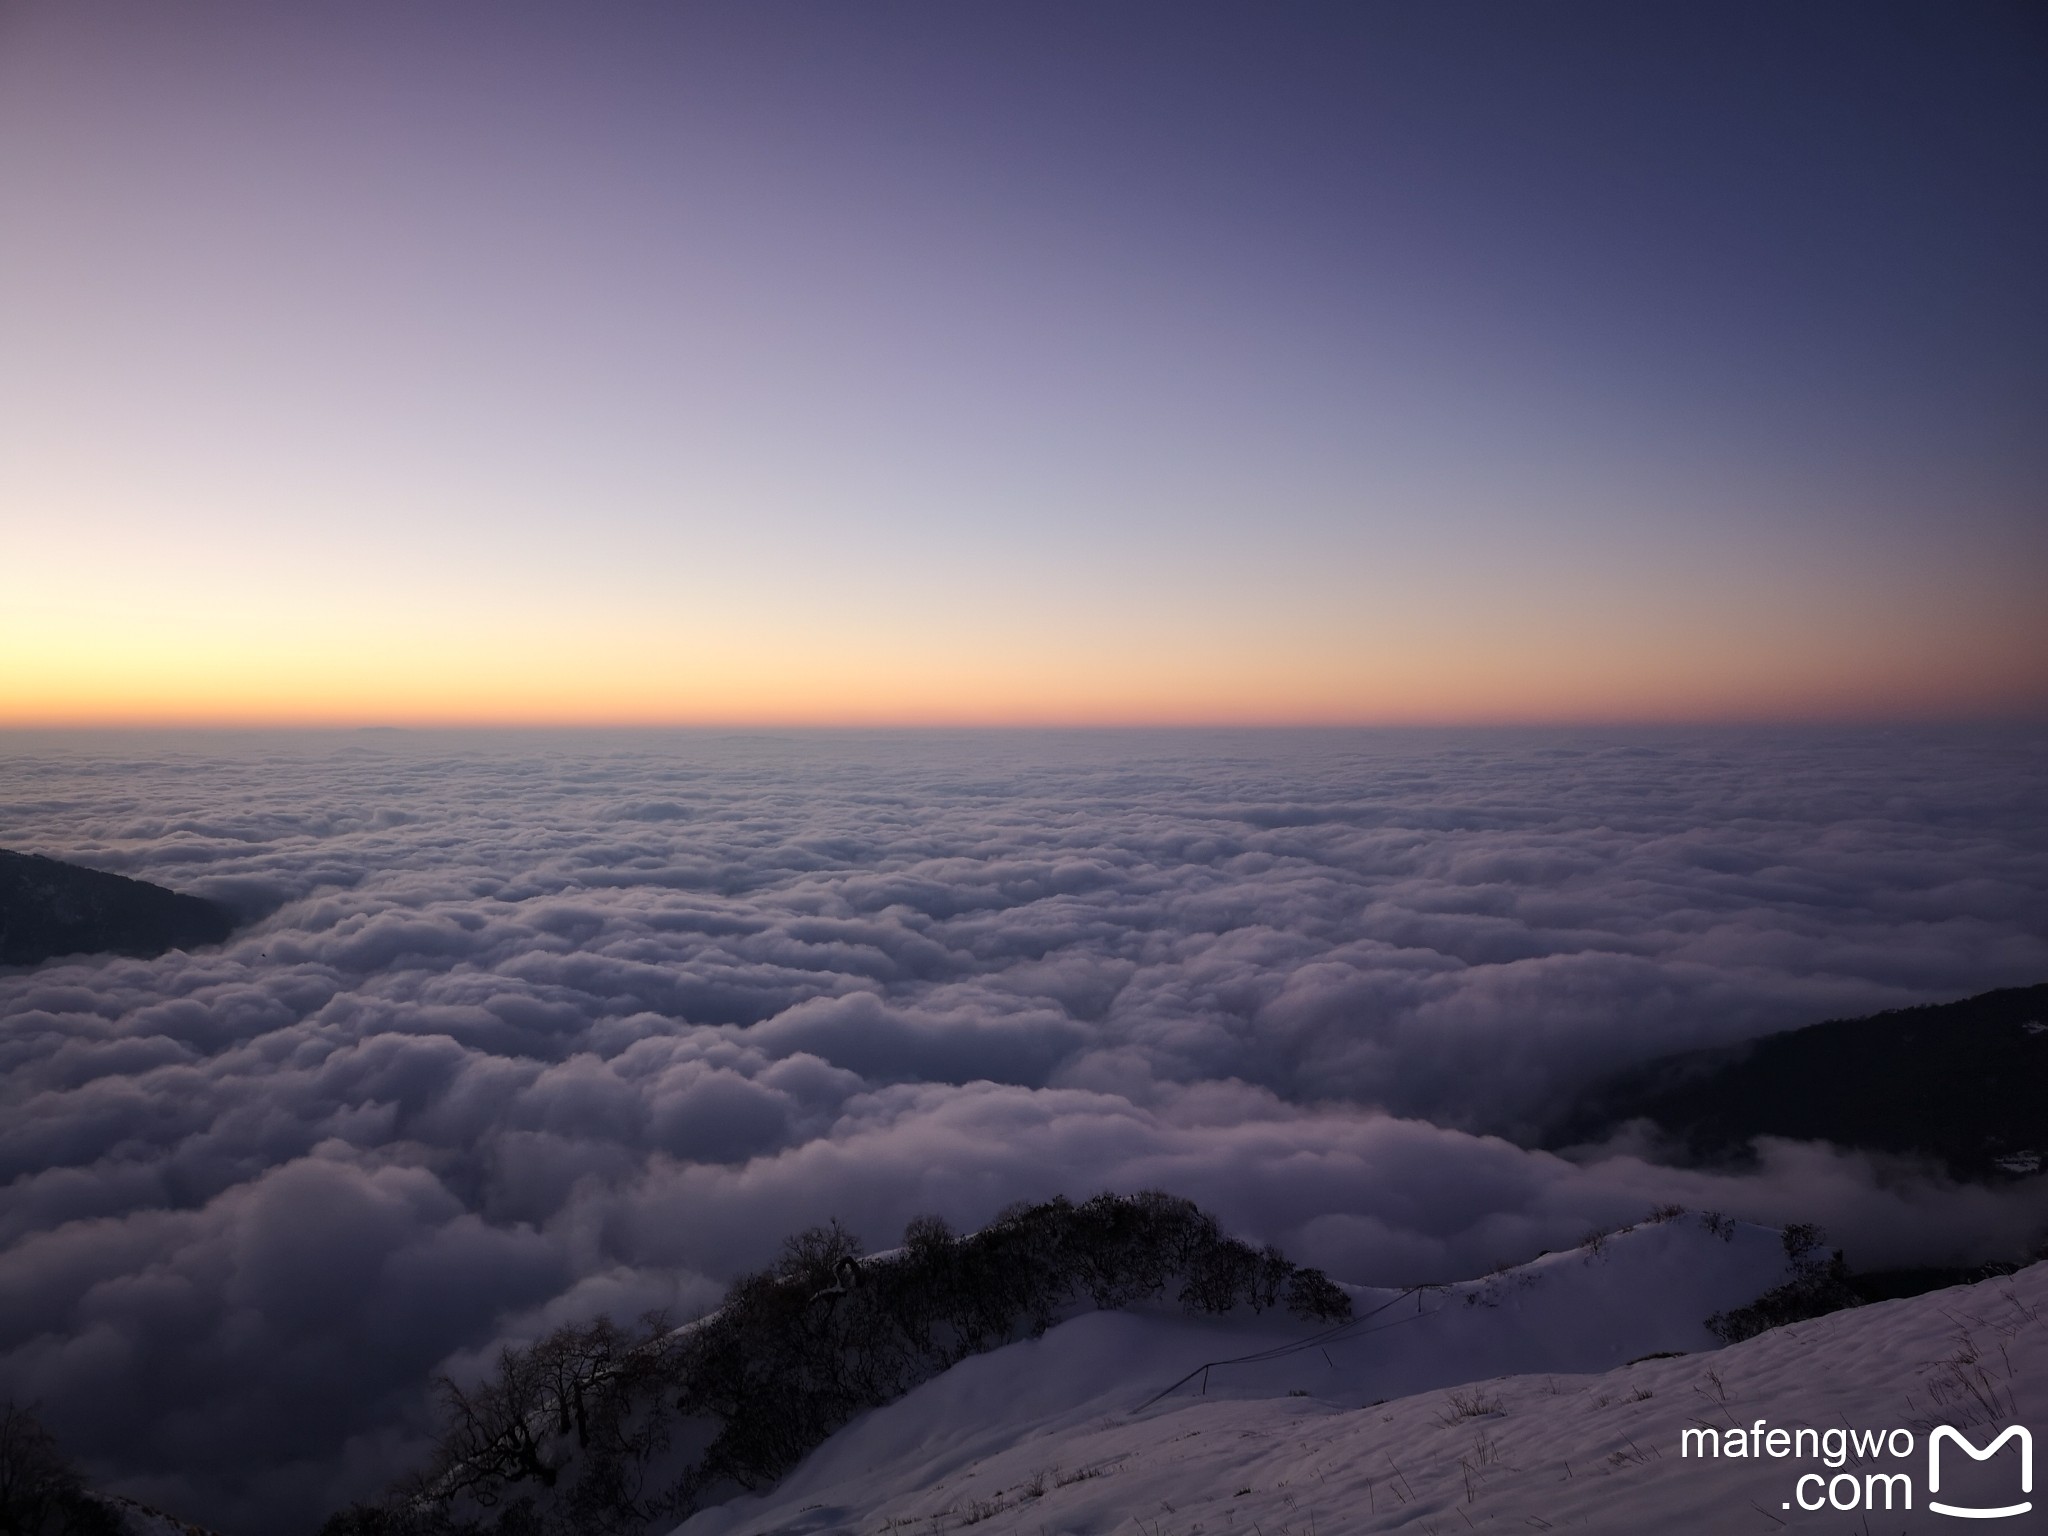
{"x":1046,"y":361}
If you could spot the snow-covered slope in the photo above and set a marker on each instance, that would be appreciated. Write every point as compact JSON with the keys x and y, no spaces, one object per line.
{"x":1506,"y":1403}
{"x":134,"y":1518}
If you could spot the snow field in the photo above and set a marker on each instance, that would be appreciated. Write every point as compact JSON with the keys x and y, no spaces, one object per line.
{"x":1048,"y":1436}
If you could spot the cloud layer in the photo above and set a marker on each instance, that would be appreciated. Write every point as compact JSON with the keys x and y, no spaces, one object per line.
{"x":530,"y":1027}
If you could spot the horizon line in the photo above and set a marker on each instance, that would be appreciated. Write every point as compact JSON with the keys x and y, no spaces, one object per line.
{"x":1077,"y":725}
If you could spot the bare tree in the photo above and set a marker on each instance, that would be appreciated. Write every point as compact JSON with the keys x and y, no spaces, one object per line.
{"x":40,"y":1493}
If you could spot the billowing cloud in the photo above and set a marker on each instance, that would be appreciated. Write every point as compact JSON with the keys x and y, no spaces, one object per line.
{"x":526,"y":1028}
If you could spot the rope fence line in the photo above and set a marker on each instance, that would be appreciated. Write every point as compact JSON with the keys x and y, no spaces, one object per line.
{"x":1353,"y":1329}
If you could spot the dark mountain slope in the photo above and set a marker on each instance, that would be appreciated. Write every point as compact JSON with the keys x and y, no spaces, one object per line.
{"x":1963,"y":1083}
{"x":48,"y":907}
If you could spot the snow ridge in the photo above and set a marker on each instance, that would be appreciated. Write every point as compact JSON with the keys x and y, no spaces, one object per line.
{"x":1553,"y":1396}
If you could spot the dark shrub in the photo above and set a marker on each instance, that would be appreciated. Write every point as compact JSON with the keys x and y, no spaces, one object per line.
{"x":1819,"y":1285}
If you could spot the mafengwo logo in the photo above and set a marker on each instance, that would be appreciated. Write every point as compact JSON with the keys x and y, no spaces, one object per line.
{"x":1944,"y":1435}
{"x":1990,"y":1487}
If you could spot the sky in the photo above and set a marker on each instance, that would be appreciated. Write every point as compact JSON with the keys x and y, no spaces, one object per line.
{"x":524,"y":1027}
{"x":1048,"y":363}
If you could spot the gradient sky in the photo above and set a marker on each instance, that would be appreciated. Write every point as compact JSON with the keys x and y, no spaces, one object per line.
{"x":1026,"y":362}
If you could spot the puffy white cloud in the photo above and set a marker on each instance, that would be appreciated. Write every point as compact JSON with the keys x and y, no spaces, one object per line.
{"x":525,"y":1028}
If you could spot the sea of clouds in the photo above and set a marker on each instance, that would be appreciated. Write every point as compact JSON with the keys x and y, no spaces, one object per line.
{"x":525,"y":1027}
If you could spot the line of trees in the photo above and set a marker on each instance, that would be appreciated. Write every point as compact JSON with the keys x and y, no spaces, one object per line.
{"x":610,"y":1430}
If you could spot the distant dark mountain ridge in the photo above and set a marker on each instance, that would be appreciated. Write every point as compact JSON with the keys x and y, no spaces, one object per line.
{"x":48,"y":907}
{"x":1964,"y":1083}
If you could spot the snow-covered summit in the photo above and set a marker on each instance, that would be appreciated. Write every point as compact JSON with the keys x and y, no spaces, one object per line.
{"x":1551,"y":1395}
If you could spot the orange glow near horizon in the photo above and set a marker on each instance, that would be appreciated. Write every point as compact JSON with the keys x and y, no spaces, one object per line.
{"x":672,"y":675}
{"x":341,"y":390}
